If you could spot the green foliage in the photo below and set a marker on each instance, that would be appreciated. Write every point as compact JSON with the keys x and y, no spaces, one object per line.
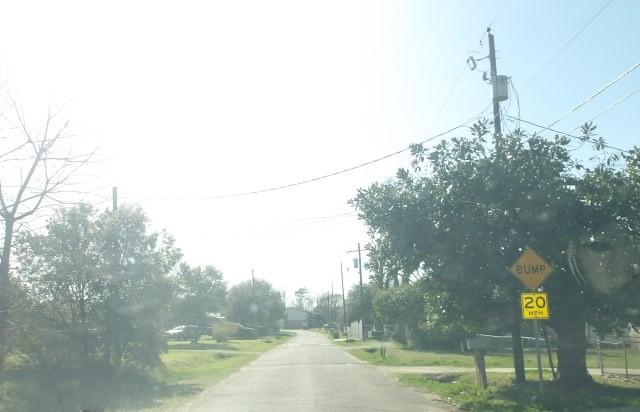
{"x":303,"y":299}
{"x":403,"y":304}
{"x":198,"y":292}
{"x":94,"y":286}
{"x":255,"y":304}
{"x":464,"y":213}
{"x":329,"y":308}
{"x":358,"y":308}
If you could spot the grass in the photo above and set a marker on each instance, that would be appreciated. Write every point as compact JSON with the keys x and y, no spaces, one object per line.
{"x":186,"y":371}
{"x":397,"y":355}
{"x":505,"y":396}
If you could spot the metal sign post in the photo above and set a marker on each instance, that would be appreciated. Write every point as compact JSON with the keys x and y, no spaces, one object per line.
{"x":532,"y":270}
{"x":536,"y":306}
{"x":536,"y":335}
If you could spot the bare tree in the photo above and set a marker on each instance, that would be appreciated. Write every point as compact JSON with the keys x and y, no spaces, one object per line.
{"x":41,"y":167}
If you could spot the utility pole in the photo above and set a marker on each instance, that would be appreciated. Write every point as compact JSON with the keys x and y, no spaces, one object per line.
{"x":360,"y":273}
{"x":253,"y":294}
{"x":344,"y":306}
{"x":362,"y":317}
{"x":494,"y":83}
{"x":331,"y":306}
{"x":114,"y":196}
{"x":516,"y":321}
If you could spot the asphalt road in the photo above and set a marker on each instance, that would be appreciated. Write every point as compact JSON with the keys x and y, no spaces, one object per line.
{"x":311,"y":373}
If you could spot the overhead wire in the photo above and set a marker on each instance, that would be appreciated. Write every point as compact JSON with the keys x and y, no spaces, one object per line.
{"x":564,"y":133}
{"x":517,"y":95}
{"x":594,"y":95}
{"x":605,"y":110}
{"x":571,"y":40}
{"x":314,"y":179}
{"x":610,"y":107}
{"x":446,"y":100}
{"x":349,"y":169}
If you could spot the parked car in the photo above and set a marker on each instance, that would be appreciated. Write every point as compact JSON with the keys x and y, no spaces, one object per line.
{"x":184,"y":332}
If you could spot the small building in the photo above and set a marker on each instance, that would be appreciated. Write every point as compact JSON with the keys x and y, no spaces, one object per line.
{"x":296,"y":318}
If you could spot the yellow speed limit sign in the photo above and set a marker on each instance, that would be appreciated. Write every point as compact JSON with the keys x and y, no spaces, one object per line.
{"x":535,"y":305}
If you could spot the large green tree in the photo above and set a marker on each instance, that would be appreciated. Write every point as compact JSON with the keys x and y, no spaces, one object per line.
{"x":199,"y":292}
{"x":60,"y":272}
{"x":304,"y":300}
{"x":360,"y":303}
{"x":255,"y":303}
{"x":98,"y":285}
{"x":465,"y":212}
{"x":329,"y":307}
{"x":135,"y":264}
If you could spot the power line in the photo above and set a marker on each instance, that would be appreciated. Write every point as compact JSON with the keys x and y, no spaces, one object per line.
{"x":500,"y":10}
{"x":610,"y":107}
{"x":504,"y":6}
{"x":560,"y":132}
{"x":568,"y":43}
{"x":446,"y":101}
{"x":596,"y":94}
{"x":295,"y":228}
{"x":314,"y":179}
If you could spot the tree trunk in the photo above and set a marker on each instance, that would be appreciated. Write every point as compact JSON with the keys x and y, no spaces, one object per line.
{"x":572,"y":354}
{"x":516,"y":342}
{"x":84,"y":330}
{"x":4,"y":291}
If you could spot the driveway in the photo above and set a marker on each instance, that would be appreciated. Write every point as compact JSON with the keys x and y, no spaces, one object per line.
{"x":311,"y":373}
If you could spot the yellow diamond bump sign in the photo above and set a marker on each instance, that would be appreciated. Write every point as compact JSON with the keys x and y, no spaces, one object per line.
{"x":531,"y":269}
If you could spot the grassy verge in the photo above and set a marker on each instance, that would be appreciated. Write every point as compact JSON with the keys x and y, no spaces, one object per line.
{"x":397,"y":355}
{"x":186,"y":370}
{"x":504,"y":396}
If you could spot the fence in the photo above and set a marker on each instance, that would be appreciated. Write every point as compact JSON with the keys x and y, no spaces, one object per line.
{"x":611,"y":355}
{"x":355,"y":330}
{"x":618,"y":356}
{"x":360,"y":331}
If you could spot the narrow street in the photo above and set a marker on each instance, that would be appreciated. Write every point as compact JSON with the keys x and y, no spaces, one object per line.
{"x":311,"y":373}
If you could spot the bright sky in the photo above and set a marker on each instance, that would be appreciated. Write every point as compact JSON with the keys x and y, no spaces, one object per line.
{"x":194,"y":99}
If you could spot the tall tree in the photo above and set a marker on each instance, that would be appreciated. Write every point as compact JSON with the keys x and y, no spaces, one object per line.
{"x":464,"y":213}
{"x":200,"y":291}
{"x":255,"y":304}
{"x":303,"y":299}
{"x":135,"y":264}
{"x":83,"y":300}
{"x":60,"y":269}
{"x":358,"y":308}
{"x":329,"y":307}
{"x":35,"y":168}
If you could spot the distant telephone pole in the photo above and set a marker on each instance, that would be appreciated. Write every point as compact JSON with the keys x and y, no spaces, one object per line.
{"x":362,"y":317}
{"x":344,"y":306}
{"x":114,"y":197}
{"x":253,"y":295}
{"x":497,"y":127}
{"x":360,"y":272}
{"x":331,"y":306}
